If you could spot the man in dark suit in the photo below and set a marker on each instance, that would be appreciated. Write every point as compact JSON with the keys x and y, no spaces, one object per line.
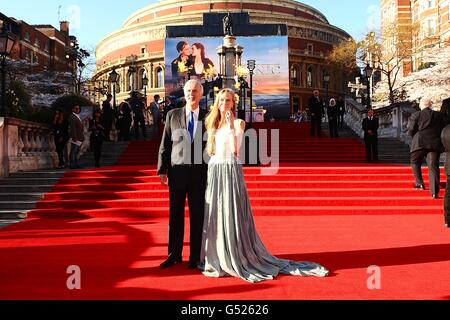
{"x":445,"y":138}
{"x":425,"y":127}
{"x":156,"y":115}
{"x":370,"y":127}
{"x":182,"y":168}
{"x":138,"y":108}
{"x":76,"y":135}
{"x":108,"y":116}
{"x":315,"y":104}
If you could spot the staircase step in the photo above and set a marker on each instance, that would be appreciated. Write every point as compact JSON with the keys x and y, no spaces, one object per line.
{"x":17,"y":205}
{"x":27,"y":182}
{"x":21,"y":196}
{"x":25,"y":188}
{"x":37,"y":175}
{"x":257,"y":211}
{"x":253,"y":193}
{"x":104,"y":180}
{"x":16,"y":215}
{"x":421,"y":199}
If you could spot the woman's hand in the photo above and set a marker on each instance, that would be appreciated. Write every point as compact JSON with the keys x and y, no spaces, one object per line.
{"x":164,"y":180}
{"x":229,"y":116}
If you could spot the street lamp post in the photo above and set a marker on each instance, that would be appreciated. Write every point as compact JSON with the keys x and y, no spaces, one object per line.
{"x":113,"y":76}
{"x":243,"y":86}
{"x":251,"y":65}
{"x":7,"y":40}
{"x":207,"y":87}
{"x":145,"y":84}
{"x":368,"y":71}
{"x":326,"y":80}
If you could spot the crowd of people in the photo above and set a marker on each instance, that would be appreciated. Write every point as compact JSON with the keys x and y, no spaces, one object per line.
{"x":318,"y":110}
{"x":129,"y":120}
{"x":429,"y":130}
{"x":430,"y":136}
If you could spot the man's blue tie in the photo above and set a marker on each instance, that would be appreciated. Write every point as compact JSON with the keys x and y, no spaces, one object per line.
{"x":191,"y":126}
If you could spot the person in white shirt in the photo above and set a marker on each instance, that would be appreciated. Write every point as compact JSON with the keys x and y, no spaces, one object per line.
{"x":76,"y":135}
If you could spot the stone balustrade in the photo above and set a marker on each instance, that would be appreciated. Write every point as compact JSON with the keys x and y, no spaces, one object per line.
{"x":28,"y":146}
{"x":25,"y":146}
{"x":393,"y":119}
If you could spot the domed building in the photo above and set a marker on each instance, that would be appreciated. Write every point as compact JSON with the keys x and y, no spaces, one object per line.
{"x":136,"y":51}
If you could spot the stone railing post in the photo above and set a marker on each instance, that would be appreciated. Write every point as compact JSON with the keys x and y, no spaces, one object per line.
{"x":25,"y":146}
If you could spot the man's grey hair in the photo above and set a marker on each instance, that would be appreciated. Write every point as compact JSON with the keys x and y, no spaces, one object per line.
{"x":426,"y":102}
{"x":198,"y":84}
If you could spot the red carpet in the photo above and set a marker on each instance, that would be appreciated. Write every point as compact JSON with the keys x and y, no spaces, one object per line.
{"x":331,"y":208}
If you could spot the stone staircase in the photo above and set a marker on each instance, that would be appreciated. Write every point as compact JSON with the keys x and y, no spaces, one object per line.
{"x":20,"y":192}
{"x":390,"y":150}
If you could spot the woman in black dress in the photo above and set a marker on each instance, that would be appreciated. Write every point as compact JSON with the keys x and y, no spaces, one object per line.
{"x":97,"y":130}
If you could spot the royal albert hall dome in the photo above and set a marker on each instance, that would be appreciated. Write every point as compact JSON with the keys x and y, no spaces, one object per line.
{"x":137,"y":48}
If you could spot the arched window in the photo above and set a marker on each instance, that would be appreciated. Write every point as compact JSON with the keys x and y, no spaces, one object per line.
{"x":119,"y":86}
{"x":310,"y":77}
{"x":142,"y":75}
{"x":295,"y":75}
{"x":159,"y":77}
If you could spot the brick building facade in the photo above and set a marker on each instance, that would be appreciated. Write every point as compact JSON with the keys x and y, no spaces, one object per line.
{"x":423,"y":23}
{"x":41,"y":45}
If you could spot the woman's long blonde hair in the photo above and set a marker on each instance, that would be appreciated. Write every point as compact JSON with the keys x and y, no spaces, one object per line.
{"x":213,"y":120}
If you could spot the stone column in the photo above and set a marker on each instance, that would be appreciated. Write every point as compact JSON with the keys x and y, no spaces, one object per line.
{"x":230,"y":55}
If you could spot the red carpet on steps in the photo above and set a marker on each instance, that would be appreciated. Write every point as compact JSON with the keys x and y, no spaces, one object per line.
{"x":323,"y":204}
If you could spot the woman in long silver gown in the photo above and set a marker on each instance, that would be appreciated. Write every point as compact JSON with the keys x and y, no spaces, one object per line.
{"x":231,"y":245}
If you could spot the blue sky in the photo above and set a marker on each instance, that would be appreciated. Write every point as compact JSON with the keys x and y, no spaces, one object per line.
{"x":91,"y":20}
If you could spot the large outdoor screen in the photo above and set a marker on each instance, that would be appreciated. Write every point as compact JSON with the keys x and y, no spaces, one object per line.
{"x":271,"y":76}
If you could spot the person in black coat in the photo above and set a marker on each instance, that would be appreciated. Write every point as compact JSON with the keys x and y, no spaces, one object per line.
{"x":138,"y":108}
{"x":61,"y":136}
{"x":167,"y":107}
{"x":333,"y":114}
{"x":156,"y":115}
{"x":425,"y":127}
{"x":125,"y":123}
{"x":445,"y":139}
{"x":370,"y":127}
{"x":181,"y":166}
{"x":97,"y":135}
{"x":108,"y":116}
{"x":315,"y":105}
